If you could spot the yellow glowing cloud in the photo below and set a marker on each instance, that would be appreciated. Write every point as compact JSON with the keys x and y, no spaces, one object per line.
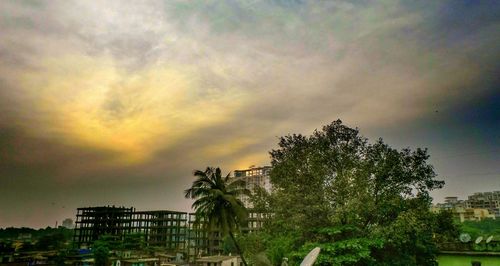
{"x":228,"y":147}
{"x":91,"y":102}
{"x":256,"y":158}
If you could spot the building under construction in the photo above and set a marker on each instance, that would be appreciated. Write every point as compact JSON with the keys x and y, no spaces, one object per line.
{"x":174,"y":231}
{"x":163,"y":228}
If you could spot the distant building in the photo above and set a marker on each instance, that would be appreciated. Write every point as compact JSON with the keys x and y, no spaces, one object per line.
{"x":451,"y":200}
{"x":485,"y":200}
{"x":68,"y":223}
{"x":472,"y":214}
{"x":450,"y":203}
{"x":173,"y":231}
{"x":479,"y":206}
{"x":254,"y":177}
{"x":159,"y":228}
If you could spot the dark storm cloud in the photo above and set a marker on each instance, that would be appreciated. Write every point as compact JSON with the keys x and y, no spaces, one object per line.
{"x":110,"y":102}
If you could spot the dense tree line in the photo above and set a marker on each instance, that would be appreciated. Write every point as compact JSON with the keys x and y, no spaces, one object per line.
{"x":14,"y":232}
{"x":363,"y":203}
{"x":36,"y":239}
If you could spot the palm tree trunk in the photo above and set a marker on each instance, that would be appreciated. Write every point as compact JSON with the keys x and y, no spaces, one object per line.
{"x":237,"y":247}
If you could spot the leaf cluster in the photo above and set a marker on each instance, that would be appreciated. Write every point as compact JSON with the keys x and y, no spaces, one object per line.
{"x":363,"y":203}
{"x":217,"y":202}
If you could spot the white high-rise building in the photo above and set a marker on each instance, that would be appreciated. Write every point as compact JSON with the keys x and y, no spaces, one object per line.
{"x":254,"y":177}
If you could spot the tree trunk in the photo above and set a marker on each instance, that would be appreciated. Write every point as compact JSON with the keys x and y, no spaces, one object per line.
{"x":237,"y":247}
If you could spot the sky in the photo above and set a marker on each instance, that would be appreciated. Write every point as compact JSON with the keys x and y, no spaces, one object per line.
{"x":117,"y":102}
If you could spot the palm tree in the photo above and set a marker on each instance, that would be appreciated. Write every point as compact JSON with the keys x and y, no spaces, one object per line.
{"x":217,"y":203}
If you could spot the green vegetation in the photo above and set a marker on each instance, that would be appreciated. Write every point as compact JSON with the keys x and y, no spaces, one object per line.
{"x":14,"y":233}
{"x":101,"y":249}
{"x":362,"y":203}
{"x":461,"y":260}
{"x":133,"y":241}
{"x":32,"y":239}
{"x":217,"y":203}
{"x":484,"y":228}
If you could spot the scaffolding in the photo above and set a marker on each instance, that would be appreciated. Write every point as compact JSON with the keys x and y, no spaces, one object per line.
{"x":93,"y":222}
{"x":171,"y":230}
{"x":166,"y":229}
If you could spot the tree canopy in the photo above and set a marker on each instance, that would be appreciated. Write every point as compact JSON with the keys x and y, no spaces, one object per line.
{"x":363,"y":203}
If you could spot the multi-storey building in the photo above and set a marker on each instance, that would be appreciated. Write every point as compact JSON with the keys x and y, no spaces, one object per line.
{"x":472,"y":214}
{"x":93,"y":222}
{"x":254,"y":177}
{"x":163,"y":228}
{"x":485,"y":200}
{"x":175,"y":232}
{"x":202,"y":240}
{"x":479,"y":206}
{"x":450,"y":203}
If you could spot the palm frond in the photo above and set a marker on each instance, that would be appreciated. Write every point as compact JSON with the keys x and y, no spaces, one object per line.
{"x":216,"y":200}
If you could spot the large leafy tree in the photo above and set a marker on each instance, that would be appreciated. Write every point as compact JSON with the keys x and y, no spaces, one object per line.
{"x":363,"y":203}
{"x":217,"y":202}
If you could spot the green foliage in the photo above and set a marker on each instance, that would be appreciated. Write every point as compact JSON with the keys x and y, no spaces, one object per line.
{"x":51,"y":241}
{"x":13,"y":233}
{"x":252,"y":244}
{"x":279,"y":247}
{"x":356,"y":251}
{"x":100,"y":250}
{"x":133,"y":241}
{"x":60,"y":258}
{"x":408,"y":240}
{"x":260,"y":199}
{"x":27,"y":246}
{"x":216,"y":200}
{"x":446,"y":229}
{"x":101,"y":255}
{"x":483,"y":228}
{"x":339,"y":246}
{"x":6,"y":247}
{"x":261,"y":259}
{"x":217,"y":203}
{"x":43,"y":239}
{"x":228,"y":245}
{"x":362,"y":203}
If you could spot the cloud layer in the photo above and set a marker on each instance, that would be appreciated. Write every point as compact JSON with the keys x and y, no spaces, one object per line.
{"x":135,"y":95}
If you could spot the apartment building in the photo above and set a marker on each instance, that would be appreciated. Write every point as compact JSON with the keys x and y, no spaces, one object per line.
{"x":254,"y":177}
{"x":472,"y":214}
{"x":479,"y":206}
{"x":485,"y":200}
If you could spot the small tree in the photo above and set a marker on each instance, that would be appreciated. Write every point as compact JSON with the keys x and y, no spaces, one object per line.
{"x":101,"y":249}
{"x":133,"y":241}
{"x":101,"y":255}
